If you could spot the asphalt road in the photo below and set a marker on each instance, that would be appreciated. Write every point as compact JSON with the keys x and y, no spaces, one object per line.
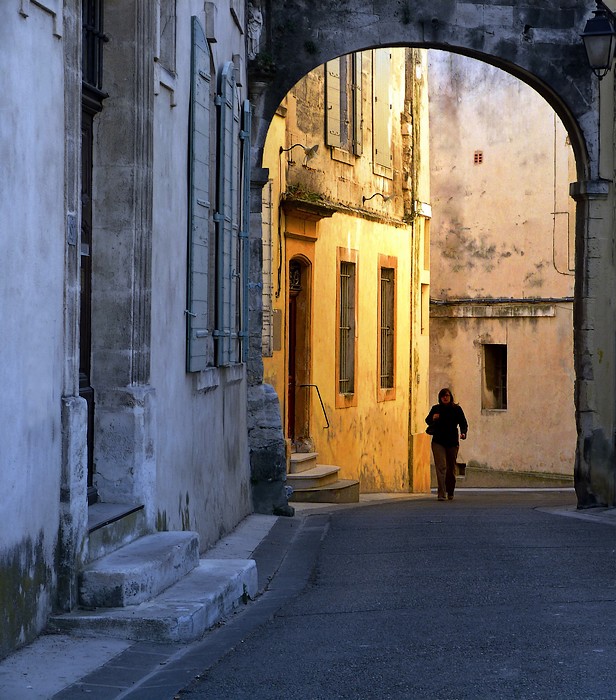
{"x":486,"y":596}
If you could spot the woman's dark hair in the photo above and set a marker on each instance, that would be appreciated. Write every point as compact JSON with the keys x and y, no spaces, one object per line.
{"x":442,"y":393}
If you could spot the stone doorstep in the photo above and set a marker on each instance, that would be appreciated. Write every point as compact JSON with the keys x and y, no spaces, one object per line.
{"x":341,"y":491}
{"x":182,"y":613}
{"x":113,"y":525}
{"x":302,"y":461}
{"x":321,"y":475}
{"x":139,"y":571}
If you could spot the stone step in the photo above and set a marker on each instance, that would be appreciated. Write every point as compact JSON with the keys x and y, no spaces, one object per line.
{"x":302,"y":461}
{"x":112,"y":526}
{"x":342,"y":491}
{"x":181,"y":613}
{"x":321,"y":475}
{"x":139,"y":571}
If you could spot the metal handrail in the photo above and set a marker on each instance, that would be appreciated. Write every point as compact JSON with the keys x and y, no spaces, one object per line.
{"x":321,"y":400}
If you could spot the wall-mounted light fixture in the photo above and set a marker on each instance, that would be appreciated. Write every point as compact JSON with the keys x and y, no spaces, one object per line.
{"x":386,"y":197}
{"x":599,"y":37}
{"x":309,"y":152}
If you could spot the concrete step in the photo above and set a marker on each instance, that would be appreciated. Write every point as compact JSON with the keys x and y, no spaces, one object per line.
{"x":139,"y":571}
{"x":112,"y":526}
{"x":302,"y":461}
{"x":341,"y":491}
{"x":321,"y":475}
{"x":181,"y":613}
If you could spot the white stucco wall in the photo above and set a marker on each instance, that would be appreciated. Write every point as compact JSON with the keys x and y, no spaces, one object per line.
{"x":32,"y":244}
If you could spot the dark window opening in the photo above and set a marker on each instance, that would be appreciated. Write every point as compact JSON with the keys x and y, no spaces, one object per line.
{"x":494,"y":389}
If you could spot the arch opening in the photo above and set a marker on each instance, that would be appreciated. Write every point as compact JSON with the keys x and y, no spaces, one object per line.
{"x":583,"y":148}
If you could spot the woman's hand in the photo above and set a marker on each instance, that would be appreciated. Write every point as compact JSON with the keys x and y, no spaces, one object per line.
{"x":436,"y":416}
{"x":462,"y":436}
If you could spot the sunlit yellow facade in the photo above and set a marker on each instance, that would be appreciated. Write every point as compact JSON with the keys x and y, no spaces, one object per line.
{"x":346,"y":274}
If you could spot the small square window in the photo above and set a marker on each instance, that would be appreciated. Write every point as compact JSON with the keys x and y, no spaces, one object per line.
{"x":478,"y":157}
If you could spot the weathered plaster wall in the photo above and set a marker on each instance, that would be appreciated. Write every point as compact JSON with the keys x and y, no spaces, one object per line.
{"x":32,"y":244}
{"x":202,"y":461}
{"x":502,"y":228}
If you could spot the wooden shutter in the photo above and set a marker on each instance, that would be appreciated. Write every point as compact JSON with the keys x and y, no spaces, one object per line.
{"x":358,"y":116}
{"x":381,"y":111}
{"x":199,"y":341}
{"x":228,"y":220}
{"x":333,"y":113}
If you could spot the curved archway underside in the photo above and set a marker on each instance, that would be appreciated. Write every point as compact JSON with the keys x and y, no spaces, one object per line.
{"x":541,"y":46}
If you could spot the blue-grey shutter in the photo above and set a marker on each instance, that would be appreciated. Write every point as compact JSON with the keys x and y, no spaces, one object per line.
{"x":333,"y":109}
{"x":244,"y":234}
{"x":381,"y":115}
{"x":200,"y":342}
{"x":227,"y":220}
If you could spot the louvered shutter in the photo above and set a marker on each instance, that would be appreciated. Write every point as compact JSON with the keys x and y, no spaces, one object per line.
{"x":381,"y":115}
{"x":358,"y":116}
{"x":245,"y":232}
{"x":227,"y":220}
{"x":333,"y":113}
{"x":199,"y":339}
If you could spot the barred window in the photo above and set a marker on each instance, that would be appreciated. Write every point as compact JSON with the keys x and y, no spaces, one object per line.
{"x":387,"y":328}
{"x":346,"y":329}
{"x":92,"y":43}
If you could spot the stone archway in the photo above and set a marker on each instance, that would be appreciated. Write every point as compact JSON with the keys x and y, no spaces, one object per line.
{"x":541,"y":46}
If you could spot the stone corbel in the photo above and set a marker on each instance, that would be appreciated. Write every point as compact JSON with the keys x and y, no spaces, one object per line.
{"x":163,"y":78}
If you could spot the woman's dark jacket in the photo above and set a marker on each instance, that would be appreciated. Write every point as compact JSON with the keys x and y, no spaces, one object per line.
{"x":446,"y":426}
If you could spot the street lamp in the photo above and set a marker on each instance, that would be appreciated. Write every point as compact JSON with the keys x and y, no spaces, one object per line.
{"x":599,"y":37}
{"x":386,"y":198}
{"x":309,"y":152}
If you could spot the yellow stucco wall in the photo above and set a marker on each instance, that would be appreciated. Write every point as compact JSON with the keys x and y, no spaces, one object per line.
{"x":380,"y":442}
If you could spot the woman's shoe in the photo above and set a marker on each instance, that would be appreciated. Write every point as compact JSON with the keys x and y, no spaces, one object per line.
{"x":441,"y":498}
{"x":450,"y":498}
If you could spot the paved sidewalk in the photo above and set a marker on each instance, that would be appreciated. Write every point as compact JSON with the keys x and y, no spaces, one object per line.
{"x":54,"y":662}
{"x":65,"y":668}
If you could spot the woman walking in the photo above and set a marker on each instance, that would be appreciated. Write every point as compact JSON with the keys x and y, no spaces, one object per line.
{"x":443,"y":421}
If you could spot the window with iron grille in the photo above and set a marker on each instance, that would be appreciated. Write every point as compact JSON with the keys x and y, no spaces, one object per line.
{"x":92,"y":43}
{"x":494,"y":385}
{"x":478,"y":157}
{"x":387,"y":327}
{"x":346,"y":328}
